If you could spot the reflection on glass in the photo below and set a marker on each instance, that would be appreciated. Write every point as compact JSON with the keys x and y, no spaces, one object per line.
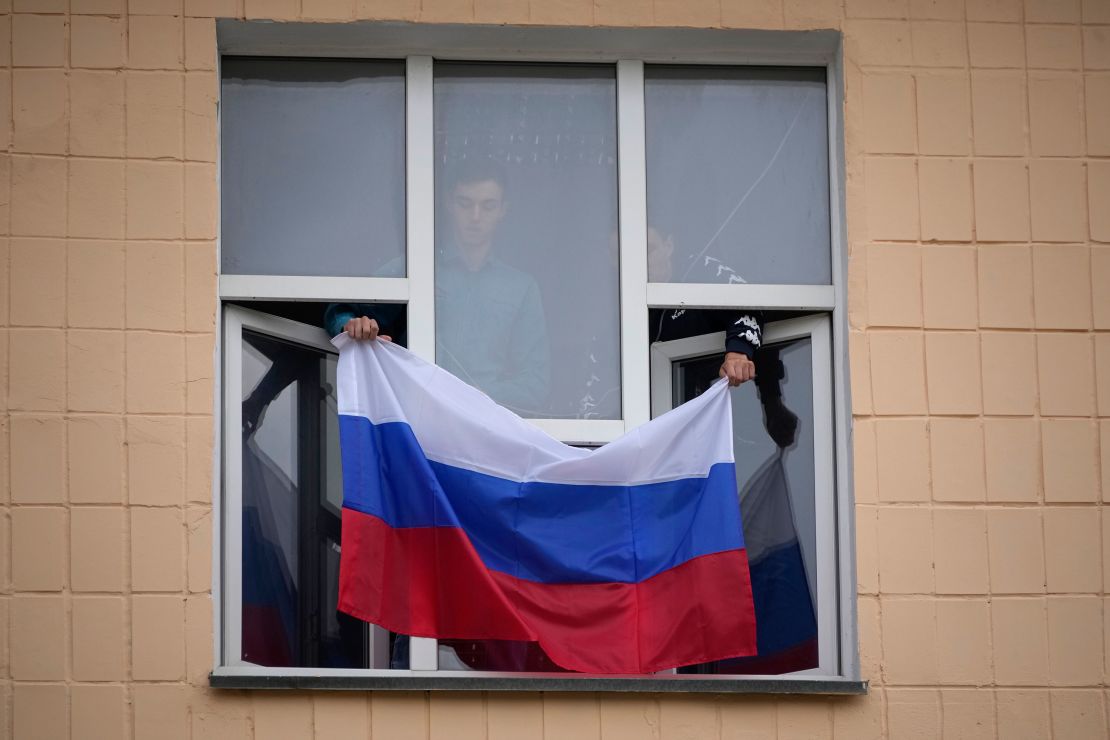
{"x":292,"y":495}
{"x":312,"y":166}
{"x":777,"y":504}
{"x":527,"y":297}
{"x":737,"y":175}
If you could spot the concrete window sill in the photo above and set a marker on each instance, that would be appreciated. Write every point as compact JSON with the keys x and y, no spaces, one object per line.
{"x":699,"y":685}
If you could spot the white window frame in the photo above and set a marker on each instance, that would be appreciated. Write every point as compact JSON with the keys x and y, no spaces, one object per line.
{"x":628,"y":50}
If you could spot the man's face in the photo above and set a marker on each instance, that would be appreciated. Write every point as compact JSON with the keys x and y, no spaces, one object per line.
{"x":476,"y":210}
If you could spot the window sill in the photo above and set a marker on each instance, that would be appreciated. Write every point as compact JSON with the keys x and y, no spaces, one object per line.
{"x":431,"y":682}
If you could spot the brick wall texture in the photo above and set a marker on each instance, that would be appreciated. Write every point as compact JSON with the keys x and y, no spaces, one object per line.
{"x":978,"y":199}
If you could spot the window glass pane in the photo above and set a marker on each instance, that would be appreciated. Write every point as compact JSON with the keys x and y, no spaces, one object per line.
{"x":313,"y":174}
{"x":527,"y":291}
{"x":737,"y":175}
{"x":292,"y":494}
{"x":777,"y":503}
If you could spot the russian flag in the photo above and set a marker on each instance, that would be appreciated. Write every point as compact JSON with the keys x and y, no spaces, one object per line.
{"x":463,"y":521}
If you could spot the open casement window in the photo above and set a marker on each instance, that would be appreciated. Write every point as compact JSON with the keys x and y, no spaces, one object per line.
{"x":284,"y":491}
{"x":787,"y":493}
{"x":629,"y":185}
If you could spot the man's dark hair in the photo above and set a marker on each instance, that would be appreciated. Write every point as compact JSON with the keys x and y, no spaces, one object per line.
{"x":481,"y":169}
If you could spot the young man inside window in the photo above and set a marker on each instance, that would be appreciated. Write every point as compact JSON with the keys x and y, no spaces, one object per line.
{"x":490,"y":326}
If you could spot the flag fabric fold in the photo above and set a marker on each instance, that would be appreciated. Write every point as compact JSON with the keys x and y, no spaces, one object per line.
{"x":462,"y":520}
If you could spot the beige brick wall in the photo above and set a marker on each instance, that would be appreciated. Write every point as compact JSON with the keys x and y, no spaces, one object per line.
{"x":978,"y":194}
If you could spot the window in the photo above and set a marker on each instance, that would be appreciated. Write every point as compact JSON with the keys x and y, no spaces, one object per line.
{"x":786,"y":493}
{"x":550,"y":132}
{"x":637,"y":207}
{"x":340,"y":126}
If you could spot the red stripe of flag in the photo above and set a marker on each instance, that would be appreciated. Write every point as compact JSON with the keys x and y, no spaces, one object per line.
{"x":430,"y":582}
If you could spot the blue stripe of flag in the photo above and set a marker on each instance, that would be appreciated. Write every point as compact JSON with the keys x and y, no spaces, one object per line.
{"x":542,"y":532}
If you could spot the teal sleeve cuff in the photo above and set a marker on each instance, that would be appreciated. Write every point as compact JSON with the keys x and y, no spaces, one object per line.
{"x":336,"y":317}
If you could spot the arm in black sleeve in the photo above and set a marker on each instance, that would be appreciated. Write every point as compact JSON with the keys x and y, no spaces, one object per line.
{"x":285,"y":367}
{"x":769,"y":373}
{"x":781,"y":423}
{"x":745,"y":335}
